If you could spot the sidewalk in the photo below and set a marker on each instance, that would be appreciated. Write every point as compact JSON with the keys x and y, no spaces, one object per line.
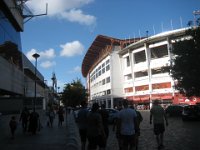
{"x":55,"y":138}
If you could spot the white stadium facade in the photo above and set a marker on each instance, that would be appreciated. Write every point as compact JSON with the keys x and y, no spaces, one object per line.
{"x":116,"y":69}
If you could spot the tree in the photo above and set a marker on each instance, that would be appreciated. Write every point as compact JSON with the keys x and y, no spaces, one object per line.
{"x":74,"y":93}
{"x":186,"y":65}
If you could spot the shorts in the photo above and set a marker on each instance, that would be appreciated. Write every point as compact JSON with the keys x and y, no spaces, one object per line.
{"x":159,"y":129}
{"x":83,"y":135}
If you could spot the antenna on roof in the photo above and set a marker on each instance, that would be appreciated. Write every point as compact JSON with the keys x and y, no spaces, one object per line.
{"x":139,"y":34}
{"x":172,"y":25}
{"x":181,"y":22}
{"x":154,"y":32}
{"x":147,"y":33}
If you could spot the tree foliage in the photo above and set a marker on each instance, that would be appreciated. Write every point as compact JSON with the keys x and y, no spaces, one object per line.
{"x":74,"y":93}
{"x":186,"y":63}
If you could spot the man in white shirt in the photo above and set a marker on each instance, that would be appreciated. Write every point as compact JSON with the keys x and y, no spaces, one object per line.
{"x":158,"y":115}
{"x":127,"y":126}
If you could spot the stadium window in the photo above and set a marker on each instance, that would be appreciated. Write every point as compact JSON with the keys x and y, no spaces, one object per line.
{"x":103,"y":81}
{"x":141,"y":74}
{"x":108,"y":92}
{"x":159,"y":52}
{"x":107,"y":79}
{"x":107,"y":67}
{"x":107,"y":62}
{"x":139,"y":57}
{"x":128,"y":77}
{"x":127,"y":61}
{"x":159,"y":70}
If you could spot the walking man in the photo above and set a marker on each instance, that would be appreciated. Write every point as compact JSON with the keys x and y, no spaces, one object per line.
{"x":82,"y":124}
{"x":95,"y":131}
{"x":127,"y":127}
{"x":24,"y":117}
{"x":158,"y":115}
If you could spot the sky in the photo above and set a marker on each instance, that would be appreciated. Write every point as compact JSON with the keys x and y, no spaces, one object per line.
{"x":63,"y":36}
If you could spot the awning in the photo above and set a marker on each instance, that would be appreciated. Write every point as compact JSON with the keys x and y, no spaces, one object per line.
{"x":129,"y":97}
{"x":161,"y":96}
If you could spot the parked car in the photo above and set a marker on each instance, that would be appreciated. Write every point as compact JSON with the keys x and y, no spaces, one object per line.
{"x":191,"y":112}
{"x":174,"y":110}
{"x":113,"y":113}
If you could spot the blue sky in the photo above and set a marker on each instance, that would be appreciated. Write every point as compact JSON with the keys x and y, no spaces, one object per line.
{"x":63,"y":36}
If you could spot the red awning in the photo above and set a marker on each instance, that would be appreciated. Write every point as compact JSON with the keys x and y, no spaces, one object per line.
{"x":129,"y":97}
{"x":145,"y":98}
{"x":136,"y":99}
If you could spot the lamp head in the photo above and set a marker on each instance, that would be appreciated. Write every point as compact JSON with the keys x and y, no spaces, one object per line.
{"x":36,"y":55}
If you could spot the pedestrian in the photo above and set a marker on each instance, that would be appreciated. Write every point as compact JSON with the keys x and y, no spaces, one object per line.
{"x":95,"y":131}
{"x":51,"y":116}
{"x":82,"y":123}
{"x":24,"y":117}
{"x":60,"y":116}
{"x":157,"y":113}
{"x":139,"y":120}
{"x":13,"y":126}
{"x":104,"y":114}
{"x":115,"y":120}
{"x":33,"y":122}
{"x":127,"y":127}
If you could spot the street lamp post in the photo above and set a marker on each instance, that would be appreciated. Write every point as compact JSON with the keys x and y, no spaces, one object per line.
{"x":36,"y":56}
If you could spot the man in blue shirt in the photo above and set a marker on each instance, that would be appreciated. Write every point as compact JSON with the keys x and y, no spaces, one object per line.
{"x":127,"y":126}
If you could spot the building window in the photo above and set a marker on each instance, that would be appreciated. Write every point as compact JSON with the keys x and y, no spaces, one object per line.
{"x":159,"y":52}
{"x":107,"y":62}
{"x":161,"y":85}
{"x":142,"y":88}
{"x":141,"y":74}
{"x":128,"y":77}
{"x":159,"y":70}
{"x":103,"y":81}
{"x":107,"y":67}
{"x":103,"y":68}
{"x":127,"y":61}
{"x":139,"y":57}
{"x":107,"y":79}
{"x":108,"y":92}
{"x":128,"y":90}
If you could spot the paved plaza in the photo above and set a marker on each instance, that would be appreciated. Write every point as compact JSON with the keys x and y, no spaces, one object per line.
{"x":179,"y":135}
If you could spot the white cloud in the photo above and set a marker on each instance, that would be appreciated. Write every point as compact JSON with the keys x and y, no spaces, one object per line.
{"x":46,"y":54}
{"x":50,"y":53}
{"x":47,"y":64}
{"x":76,"y":69}
{"x":71,"y":49}
{"x":66,"y":9}
{"x":76,"y":15}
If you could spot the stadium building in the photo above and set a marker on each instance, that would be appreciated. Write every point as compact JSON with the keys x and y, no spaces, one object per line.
{"x":132,"y":69}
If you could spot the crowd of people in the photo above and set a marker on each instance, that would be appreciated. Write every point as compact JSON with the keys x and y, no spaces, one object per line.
{"x":30,"y":121}
{"x":93,"y":126}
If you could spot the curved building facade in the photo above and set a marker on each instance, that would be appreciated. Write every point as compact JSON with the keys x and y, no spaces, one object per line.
{"x":135,"y":71}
